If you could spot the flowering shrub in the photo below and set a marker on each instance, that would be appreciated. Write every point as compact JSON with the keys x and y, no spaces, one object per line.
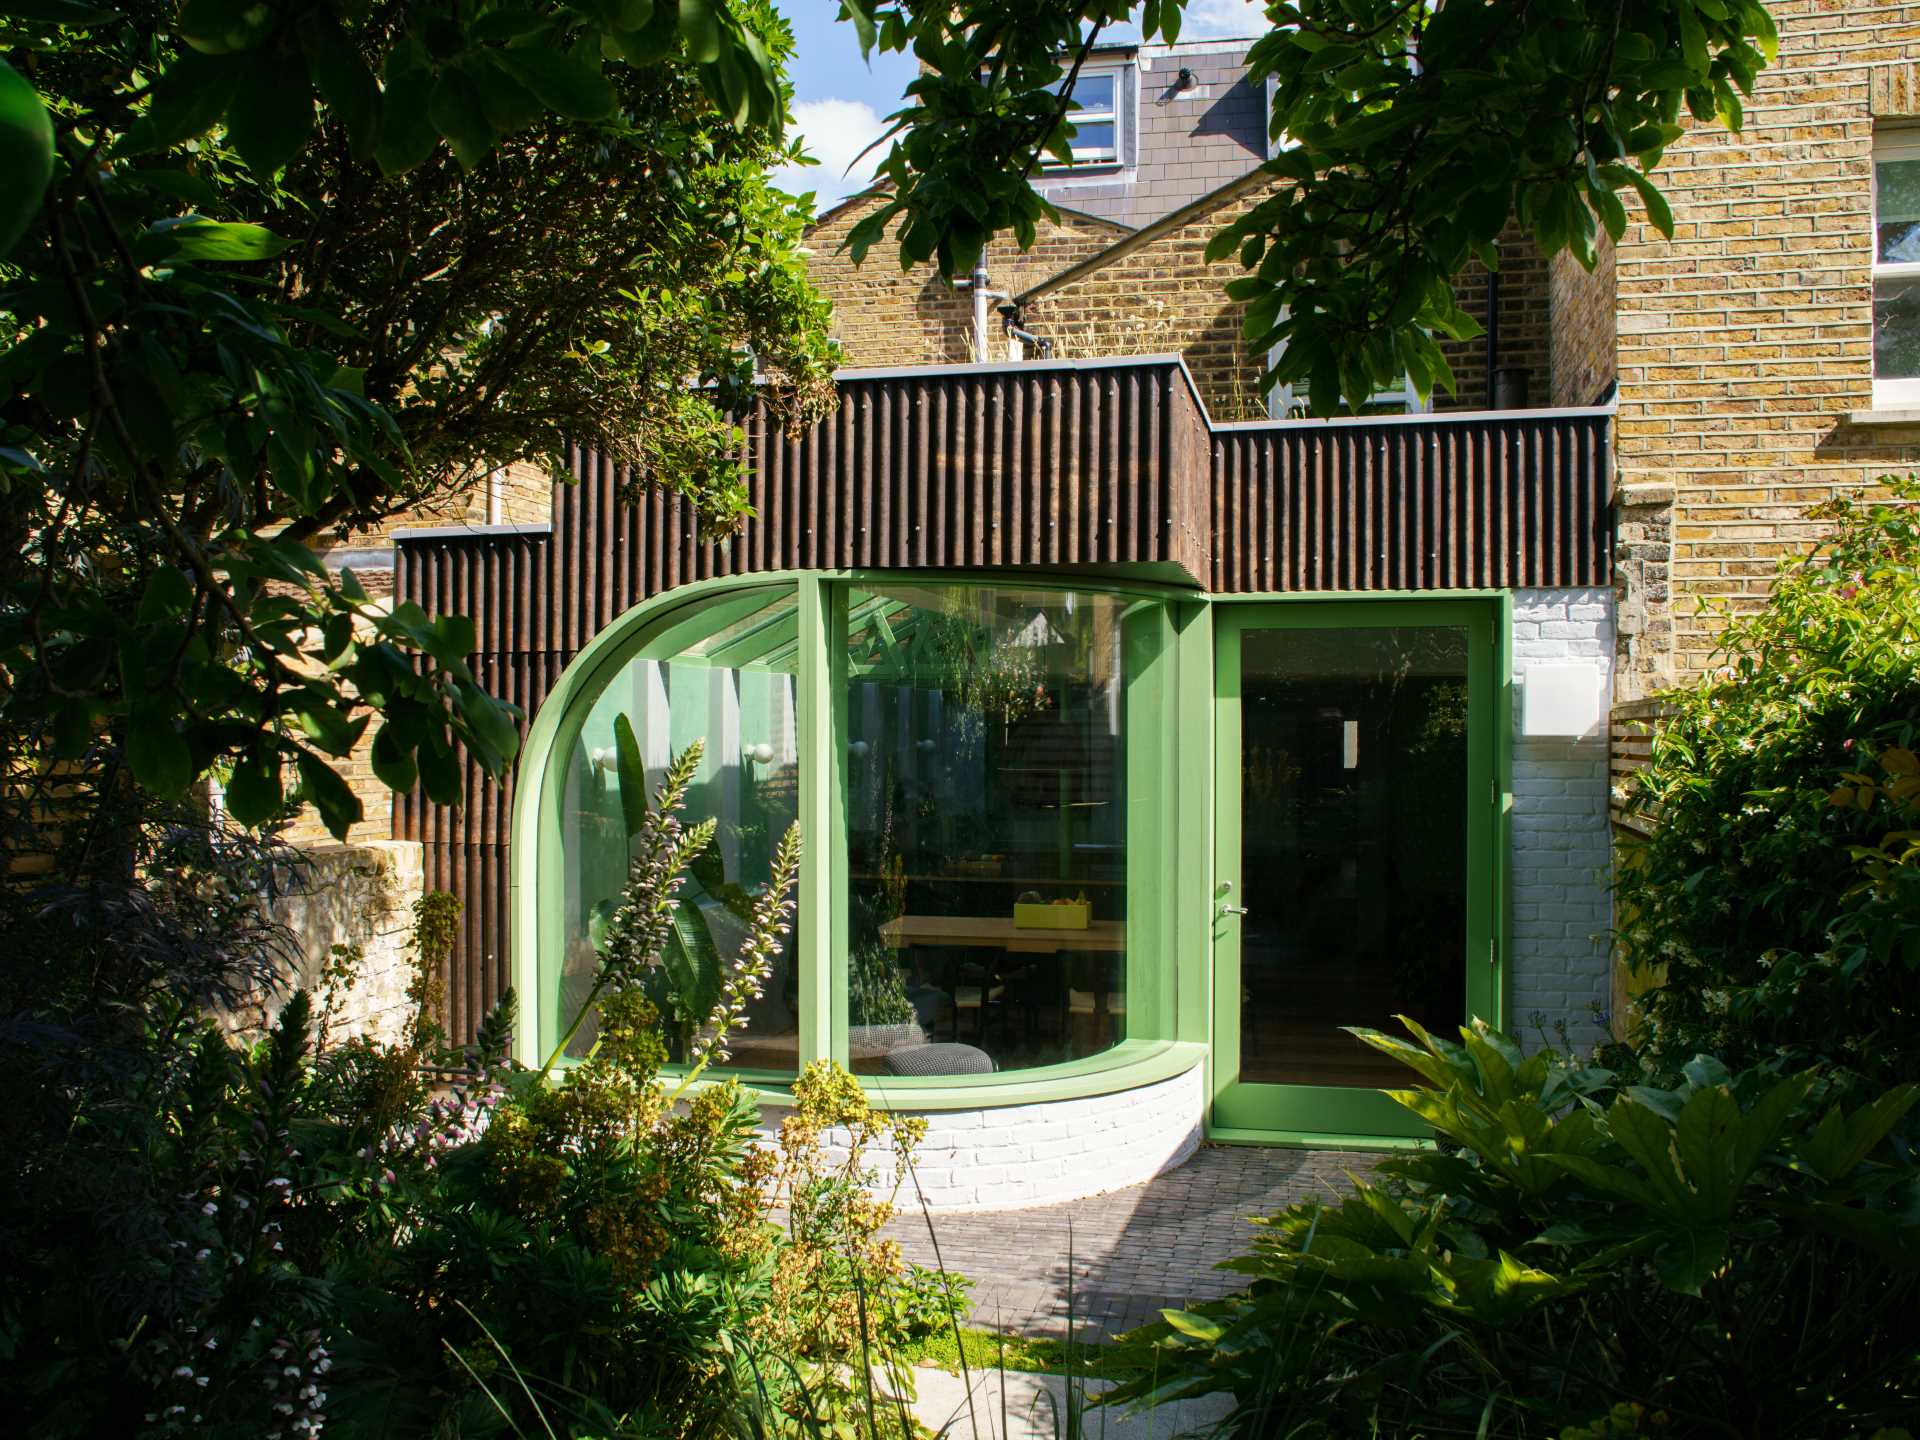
{"x":211,"y":1240}
{"x":1774,"y":906}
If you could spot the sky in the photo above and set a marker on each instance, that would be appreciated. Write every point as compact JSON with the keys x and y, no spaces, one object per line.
{"x":841,"y":102}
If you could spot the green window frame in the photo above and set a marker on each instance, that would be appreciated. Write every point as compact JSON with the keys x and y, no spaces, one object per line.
{"x":1362,"y":1118}
{"x":1166,"y":1022}
{"x":1173,"y":780}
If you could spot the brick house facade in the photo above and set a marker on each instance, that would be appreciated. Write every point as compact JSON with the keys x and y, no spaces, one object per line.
{"x":1627,"y":441}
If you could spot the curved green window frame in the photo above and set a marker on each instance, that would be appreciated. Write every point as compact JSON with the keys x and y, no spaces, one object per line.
{"x":795,"y":626}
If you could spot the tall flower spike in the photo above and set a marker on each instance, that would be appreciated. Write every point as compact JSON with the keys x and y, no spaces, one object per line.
{"x":747,"y":977}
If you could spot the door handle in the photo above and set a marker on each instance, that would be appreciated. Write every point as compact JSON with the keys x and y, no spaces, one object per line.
{"x":1233,"y":909}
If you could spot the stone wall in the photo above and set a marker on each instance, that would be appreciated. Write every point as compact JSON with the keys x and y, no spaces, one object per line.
{"x":1559,"y":874}
{"x":1013,"y":1156}
{"x":350,"y":895}
{"x":1746,"y":342}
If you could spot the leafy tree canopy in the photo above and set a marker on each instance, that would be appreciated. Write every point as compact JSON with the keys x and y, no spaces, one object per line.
{"x":273,"y":269}
{"x":1412,"y":132}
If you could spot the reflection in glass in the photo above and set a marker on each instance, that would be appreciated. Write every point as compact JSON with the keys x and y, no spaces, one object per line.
{"x":1896,"y":329}
{"x":986,"y":825}
{"x":1896,"y":212}
{"x":1354,"y":842}
{"x":731,"y":688}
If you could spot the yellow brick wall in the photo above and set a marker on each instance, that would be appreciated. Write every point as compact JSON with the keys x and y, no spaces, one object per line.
{"x":883,"y":316}
{"x":1165,"y":297}
{"x":1583,"y":358}
{"x":1745,"y":343}
{"x":525,"y":494}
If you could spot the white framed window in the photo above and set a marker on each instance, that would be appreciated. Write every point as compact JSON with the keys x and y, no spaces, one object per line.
{"x":1099,"y":115}
{"x":1896,"y":269}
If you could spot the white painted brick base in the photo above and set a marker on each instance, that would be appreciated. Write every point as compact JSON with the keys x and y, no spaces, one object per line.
{"x":1560,"y":864}
{"x":1014,"y":1156}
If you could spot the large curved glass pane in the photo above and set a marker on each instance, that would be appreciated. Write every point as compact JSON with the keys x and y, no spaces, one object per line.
{"x":986,"y":825}
{"x":723,"y":675}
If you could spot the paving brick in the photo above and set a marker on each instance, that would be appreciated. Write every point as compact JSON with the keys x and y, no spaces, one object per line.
{"x":1133,"y":1251}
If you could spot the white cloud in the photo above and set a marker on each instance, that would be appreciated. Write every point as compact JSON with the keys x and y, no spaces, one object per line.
{"x":1237,"y":18}
{"x":835,"y":131}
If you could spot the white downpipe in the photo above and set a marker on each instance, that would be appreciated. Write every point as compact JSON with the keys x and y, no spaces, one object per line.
{"x":980,"y":299}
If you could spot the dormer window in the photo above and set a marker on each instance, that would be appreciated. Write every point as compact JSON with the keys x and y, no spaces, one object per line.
{"x":1098,"y":114}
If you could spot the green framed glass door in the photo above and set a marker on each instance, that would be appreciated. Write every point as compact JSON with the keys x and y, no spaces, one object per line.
{"x":1356,"y":871}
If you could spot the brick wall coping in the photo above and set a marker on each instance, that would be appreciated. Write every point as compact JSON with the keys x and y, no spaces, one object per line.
{"x":1425,"y":417}
{"x":1147,"y":234}
{"x":461,"y":532}
{"x":1178,"y":362}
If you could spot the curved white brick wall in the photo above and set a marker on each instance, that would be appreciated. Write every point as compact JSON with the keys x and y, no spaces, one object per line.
{"x":1014,"y":1156}
{"x":1560,"y":866}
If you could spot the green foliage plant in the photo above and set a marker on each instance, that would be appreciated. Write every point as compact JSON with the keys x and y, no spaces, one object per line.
{"x":690,"y":982}
{"x":1409,"y":137}
{"x":1773,"y":906}
{"x":1733,"y":1254}
{"x":845,"y":1304}
{"x":276,"y":272}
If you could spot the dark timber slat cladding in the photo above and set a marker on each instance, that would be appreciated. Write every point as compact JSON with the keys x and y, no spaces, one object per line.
{"x":1046,"y":465}
{"x":1486,"y":501}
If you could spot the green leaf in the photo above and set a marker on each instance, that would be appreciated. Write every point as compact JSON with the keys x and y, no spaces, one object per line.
{"x":459,"y":113}
{"x":168,"y":596}
{"x":58,"y":12}
{"x":188,"y":99}
{"x":253,"y":793}
{"x":632,"y":775}
{"x":344,"y":80}
{"x":572,"y":84}
{"x":391,"y":761}
{"x":407,"y":133}
{"x":1693,"y":39}
{"x":1197,"y":1327}
{"x":859,"y":14}
{"x":26,"y":155}
{"x":156,"y":751}
{"x":192,"y":238}
{"x":1705,"y":1139}
{"x":1659,"y":212}
{"x":509,"y":105}
{"x":700,"y":29}
{"x":491,"y":724}
{"x":439,"y":773}
{"x":322,"y":787}
{"x":223,"y":27}
{"x":272,"y":114}
{"x":1838,"y":1145}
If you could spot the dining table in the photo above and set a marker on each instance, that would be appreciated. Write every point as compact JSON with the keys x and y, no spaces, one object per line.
{"x":998,"y":932}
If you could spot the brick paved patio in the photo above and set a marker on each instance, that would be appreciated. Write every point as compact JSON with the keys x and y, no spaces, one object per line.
{"x":1135,"y":1251}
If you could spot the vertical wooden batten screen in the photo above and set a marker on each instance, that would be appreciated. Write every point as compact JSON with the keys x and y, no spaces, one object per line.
{"x":1053,"y":466}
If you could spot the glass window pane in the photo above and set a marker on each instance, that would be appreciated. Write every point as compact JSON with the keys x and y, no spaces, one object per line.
{"x":1896,"y":329}
{"x":1353,"y":835}
{"x":986,"y":825}
{"x":1094,"y":139}
{"x":1094,"y":93}
{"x":730,"y":685}
{"x":1897,"y":211}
